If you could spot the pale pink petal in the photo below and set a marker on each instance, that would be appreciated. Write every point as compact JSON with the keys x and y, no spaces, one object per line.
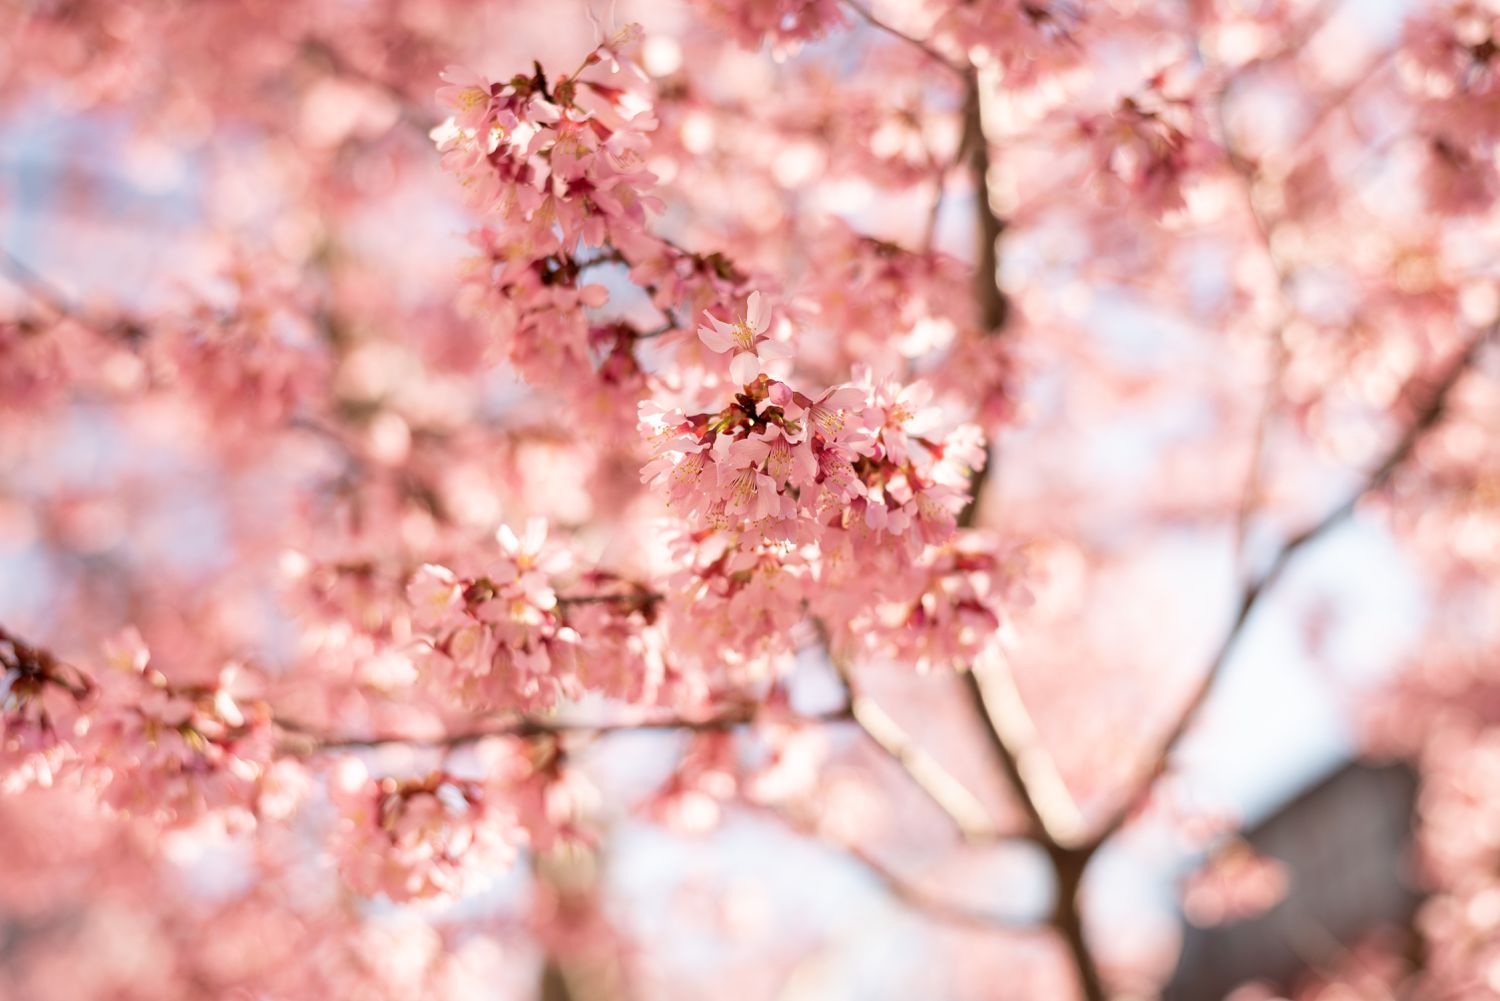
{"x":846,"y":398}
{"x":714,"y":338}
{"x":744,"y":368}
{"x":462,"y":76}
{"x":767,"y":500}
{"x":916,"y":396}
{"x":746,"y":451}
{"x":536,"y":534}
{"x":758,"y":313}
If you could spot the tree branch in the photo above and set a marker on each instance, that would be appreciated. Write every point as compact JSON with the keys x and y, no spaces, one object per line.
{"x":36,"y":286}
{"x":992,"y":303}
{"x":930,"y":904}
{"x":1054,"y":820}
{"x":968,"y":814}
{"x":34,"y":661}
{"x":45,"y":293}
{"x":1428,"y":417}
{"x":530,"y":726}
{"x":895,"y":32}
{"x":952,"y":796}
{"x":1068,"y":868}
{"x":899,"y":887}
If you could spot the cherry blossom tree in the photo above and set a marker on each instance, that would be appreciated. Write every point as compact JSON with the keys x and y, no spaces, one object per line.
{"x":475,"y":477}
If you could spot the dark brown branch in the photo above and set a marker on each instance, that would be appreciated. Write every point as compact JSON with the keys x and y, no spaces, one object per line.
{"x":1053,"y":821}
{"x":993,"y":305}
{"x":1068,"y":868}
{"x":41,"y":667}
{"x":305,"y":739}
{"x":45,"y":293}
{"x":315,"y":741}
{"x":641,"y":596}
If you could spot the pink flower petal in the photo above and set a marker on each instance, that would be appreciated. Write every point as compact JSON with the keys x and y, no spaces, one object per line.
{"x":714,"y":338}
{"x":758,"y":312}
{"x":744,"y":368}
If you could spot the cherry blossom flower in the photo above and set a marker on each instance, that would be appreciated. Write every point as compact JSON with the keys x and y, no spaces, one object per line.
{"x":746,"y":337}
{"x":413,"y":839}
{"x":469,"y":94}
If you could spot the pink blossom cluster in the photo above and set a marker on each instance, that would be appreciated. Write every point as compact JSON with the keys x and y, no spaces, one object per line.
{"x":624,"y":654}
{"x":174,"y":754}
{"x":498,"y":640}
{"x":790,"y":502}
{"x":39,"y":358}
{"x":553,"y":167}
{"x":1153,"y":145}
{"x":1235,"y":884}
{"x":854,"y":469}
{"x":1028,"y":40}
{"x":1460,"y":840}
{"x":947,"y":611}
{"x":247,"y":355}
{"x":910,"y":308}
{"x":786,"y":24}
{"x":718,"y":767}
{"x":912,"y":312}
{"x":733,"y":607}
{"x":39,"y":704}
{"x":181,"y":754}
{"x":1448,"y":61}
{"x":441,"y":834}
{"x":504,"y":639}
{"x":553,"y":173}
{"x":705,"y":779}
{"x":418,"y":838}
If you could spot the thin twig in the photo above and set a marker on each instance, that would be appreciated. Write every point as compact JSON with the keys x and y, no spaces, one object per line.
{"x":51,"y":297}
{"x":914,"y":896}
{"x":889,"y":29}
{"x":902,"y":889}
{"x":38,"y":287}
{"x":316,"y":741}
